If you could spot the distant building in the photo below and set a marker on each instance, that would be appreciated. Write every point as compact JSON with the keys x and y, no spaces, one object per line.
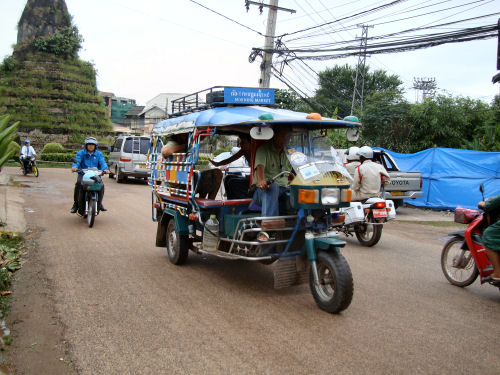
{"x":164,"y":101}
{"x":117,"y":106}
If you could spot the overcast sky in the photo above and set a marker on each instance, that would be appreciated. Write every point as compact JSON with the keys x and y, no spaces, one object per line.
{"x":141,"y":49}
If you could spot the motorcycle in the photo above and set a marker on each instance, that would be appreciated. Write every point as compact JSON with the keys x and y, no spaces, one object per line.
{"x":366,"y":218}
{"x":463,"y":257}
{"x":31,"y":166}
{"x":91,"y":186}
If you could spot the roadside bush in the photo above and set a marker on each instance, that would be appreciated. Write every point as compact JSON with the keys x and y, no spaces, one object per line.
{"x":221,"y":150}
{"x":9,"y":263}
{"x":203,"y":160}
{"x":57,"y":157}
{"x":53,"y":147}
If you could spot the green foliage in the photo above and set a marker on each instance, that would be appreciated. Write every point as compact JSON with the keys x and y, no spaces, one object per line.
{"x":8,"y":64}
{"x":9,"y":263}
{"x":385,"y":122}
{"x":15,"y":149}
{"x":58,"y":157}
{"x":337,"y":85}
{"x":7,"y":135}
{"x":288,"y":99}
{"x":221,"y":150}
{"x":203,"y":160}
{"x":52,"y":147}
{"x":65,"y":43}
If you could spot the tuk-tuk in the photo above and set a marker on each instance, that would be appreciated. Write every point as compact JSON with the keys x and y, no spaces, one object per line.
{"x":301,"y":242}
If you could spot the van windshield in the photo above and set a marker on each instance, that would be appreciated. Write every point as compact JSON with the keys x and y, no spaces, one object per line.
{"x":141,"y":145}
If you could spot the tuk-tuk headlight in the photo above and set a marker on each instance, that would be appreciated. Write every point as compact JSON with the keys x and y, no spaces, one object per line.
{"x":346,"y":195}
{"x":330,"y":196}
{"x":308,"y":196}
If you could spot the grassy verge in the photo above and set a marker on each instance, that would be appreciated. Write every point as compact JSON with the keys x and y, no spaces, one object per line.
{"x":40,"y":165}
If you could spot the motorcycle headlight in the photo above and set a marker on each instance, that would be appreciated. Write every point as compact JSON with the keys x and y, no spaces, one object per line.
{"x":330,"y":196}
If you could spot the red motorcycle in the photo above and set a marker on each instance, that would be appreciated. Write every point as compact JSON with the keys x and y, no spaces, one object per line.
{"x":463,"y":257}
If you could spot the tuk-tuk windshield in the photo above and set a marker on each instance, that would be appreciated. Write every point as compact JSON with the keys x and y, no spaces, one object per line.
{"x":312,"y":156}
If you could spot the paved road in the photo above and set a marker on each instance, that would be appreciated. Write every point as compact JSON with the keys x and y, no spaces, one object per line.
{"x":127,"y":310}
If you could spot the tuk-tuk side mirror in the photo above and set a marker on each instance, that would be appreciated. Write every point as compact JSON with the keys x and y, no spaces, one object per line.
{"x":352,"y":134}
{"x":261,"y":133}
{"x":481,"y":188}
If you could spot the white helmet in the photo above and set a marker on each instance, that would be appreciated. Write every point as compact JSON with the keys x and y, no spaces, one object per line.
{"x":352,"y":153}
{"x":366,"y":152}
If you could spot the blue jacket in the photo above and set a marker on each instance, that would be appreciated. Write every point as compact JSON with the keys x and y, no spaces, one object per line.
{"x":85,"y":160}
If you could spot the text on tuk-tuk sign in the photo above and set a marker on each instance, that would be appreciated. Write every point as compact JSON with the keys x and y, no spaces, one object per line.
{"x":244,"y":95}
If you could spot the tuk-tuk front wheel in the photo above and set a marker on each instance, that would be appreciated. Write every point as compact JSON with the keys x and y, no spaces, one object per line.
{"x":334,"y":291}
{"x":177,"y":244}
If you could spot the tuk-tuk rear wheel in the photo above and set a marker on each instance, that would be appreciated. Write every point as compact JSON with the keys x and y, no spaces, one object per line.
{"x":335,"y":289}
{"x":177,"y":244}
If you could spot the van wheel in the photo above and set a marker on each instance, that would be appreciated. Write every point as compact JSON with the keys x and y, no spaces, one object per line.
{"x":118,"y":176}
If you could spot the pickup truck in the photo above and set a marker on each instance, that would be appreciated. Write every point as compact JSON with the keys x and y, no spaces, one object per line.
{"x":403,"y":185}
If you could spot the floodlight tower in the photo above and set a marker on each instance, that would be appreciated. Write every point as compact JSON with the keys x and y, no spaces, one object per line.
{"x":427,"y":85}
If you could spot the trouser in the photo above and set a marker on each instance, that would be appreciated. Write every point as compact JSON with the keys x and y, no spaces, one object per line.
{"x":270,"y":198}
{"x":79,"y":195}
{"x":25,"y":160}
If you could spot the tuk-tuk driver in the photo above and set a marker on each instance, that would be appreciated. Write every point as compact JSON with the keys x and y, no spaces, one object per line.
{"x":270,"y":160}
{"x":210,"y":179}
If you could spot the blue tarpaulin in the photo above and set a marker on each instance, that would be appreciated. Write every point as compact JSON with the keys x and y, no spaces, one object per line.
{"x":451,"y":177}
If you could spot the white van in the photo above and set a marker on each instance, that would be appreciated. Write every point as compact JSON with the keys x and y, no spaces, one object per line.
{"x":127,"y":157}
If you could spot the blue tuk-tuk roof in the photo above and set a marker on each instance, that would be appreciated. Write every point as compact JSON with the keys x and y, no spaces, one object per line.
{"x":243,"y":115}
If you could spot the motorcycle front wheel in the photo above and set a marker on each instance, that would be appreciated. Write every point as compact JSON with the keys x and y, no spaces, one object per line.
{"x":335,"y":289}
{"x":35,"y":171}
{"x":92,"y":209}
{"x":368,"y":234}
{"x":457,"y":264}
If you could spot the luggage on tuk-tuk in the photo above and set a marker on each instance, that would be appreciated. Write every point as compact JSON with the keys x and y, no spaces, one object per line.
{"x":301,"y":240}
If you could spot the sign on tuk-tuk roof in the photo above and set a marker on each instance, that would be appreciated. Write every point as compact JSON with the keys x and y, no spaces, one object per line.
{"x":243,"y":115}
{"x":248,"y":95}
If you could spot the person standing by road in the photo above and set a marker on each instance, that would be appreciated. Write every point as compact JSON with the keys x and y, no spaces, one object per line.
{"x":368,"y":176}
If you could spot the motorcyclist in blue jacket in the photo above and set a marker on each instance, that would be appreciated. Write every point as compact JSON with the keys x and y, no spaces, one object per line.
{"x":87,"y":158}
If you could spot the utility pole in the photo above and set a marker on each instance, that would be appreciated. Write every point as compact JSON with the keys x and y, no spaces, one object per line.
{"x":267,"y":59}
{"x":359,"y":80}
{"x":427,"y":85}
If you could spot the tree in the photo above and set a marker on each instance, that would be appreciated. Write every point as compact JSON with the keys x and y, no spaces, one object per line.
{"x":336,"y":86}
{"x":446,"y":121}
{"x":288,"y":99}
{"x":385,"y":121}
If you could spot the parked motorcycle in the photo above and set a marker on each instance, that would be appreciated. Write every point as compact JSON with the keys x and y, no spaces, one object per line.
{"x":31,"y":166}
{"x":463,"y":257}
{"x":91,"y":186}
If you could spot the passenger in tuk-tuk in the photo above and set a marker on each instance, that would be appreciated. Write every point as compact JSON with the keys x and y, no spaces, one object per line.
{"x":237,"y":186}
{"x":210,"y":179}
{"x":270,"y":160}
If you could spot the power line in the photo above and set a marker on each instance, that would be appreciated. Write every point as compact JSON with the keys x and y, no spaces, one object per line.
{"x":226,"y":17}
{"x":354,"y":15}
